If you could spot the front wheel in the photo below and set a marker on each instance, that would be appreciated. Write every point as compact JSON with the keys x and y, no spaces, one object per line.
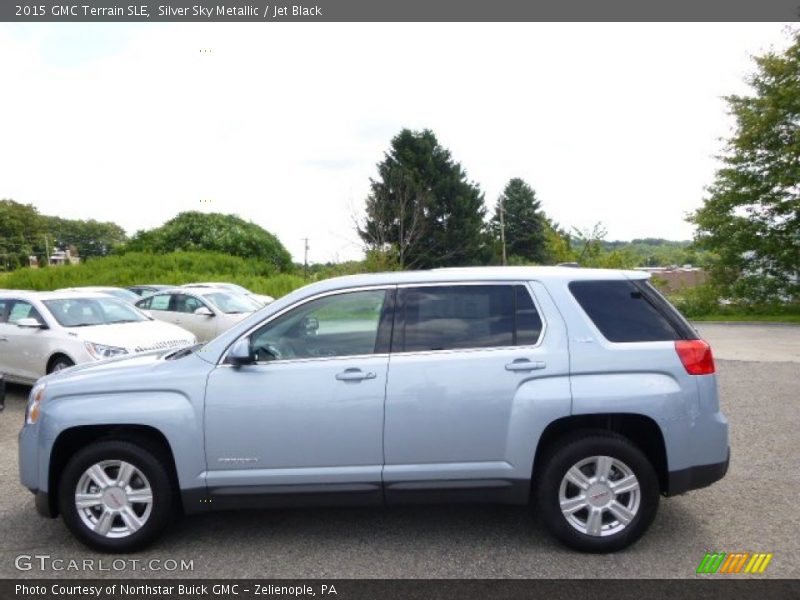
{"x":59,"y":364}
{"x":115,"y":496}
{"x":597,"y":492}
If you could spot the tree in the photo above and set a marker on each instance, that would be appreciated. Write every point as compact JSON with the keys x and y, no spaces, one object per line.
{"x":90,"y":238}
{"x":523,"y":221}
{"x":21,"y":234}
{"x":751,"y":217}
{"x":422,"y":208}
{"x":192,"y":231}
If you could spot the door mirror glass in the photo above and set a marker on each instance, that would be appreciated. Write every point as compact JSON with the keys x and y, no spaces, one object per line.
{"x":28,"y":322}
{"x":204,"y":310}
{"x":310,"y":326}
{"x":240,"y":353}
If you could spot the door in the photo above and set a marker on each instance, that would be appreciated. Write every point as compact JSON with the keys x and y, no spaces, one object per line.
{"x":182,"y":307}
{"x":307,"y":418}
{"x":23,"y":348}
{"x":462,"y":358}
{"x":178,"y":309}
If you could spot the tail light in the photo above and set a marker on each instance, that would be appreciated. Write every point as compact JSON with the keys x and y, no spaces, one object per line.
{"x":696,"y":356}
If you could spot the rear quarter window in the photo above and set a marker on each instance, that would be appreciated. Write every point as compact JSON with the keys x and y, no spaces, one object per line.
{"x":630,"y":311}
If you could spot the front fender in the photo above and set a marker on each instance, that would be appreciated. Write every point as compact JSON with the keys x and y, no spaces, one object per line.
{"x":169,"y":412}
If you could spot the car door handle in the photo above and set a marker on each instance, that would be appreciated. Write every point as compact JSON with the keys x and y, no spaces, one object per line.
{"x":3,"y":339}
{"x":354,"y":375}
{"x":523,"y":364}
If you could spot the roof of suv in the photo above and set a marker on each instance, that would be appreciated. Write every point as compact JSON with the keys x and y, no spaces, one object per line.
{"x":454,"y":274}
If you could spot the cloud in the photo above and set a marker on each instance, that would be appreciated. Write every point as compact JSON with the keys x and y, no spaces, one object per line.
{"x":283,"y":124}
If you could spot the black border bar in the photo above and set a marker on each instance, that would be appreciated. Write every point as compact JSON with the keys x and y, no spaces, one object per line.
{"x":264,"y":11}
{"x":712,"y":587}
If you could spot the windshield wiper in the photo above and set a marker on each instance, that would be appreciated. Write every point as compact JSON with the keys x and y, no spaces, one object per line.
{"x":121,"y":321}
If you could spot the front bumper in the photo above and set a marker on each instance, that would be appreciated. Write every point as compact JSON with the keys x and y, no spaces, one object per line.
{"x":696,"y":477}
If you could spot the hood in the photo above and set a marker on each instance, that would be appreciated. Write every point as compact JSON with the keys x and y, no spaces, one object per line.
{"x":142,"y":371}
{"x":142,"y":336}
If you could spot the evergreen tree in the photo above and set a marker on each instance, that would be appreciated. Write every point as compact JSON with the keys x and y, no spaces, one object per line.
{"x":422,"y":208}
{"x":524,"y":222}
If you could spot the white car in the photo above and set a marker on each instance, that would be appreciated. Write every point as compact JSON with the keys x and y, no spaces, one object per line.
{"x":43,"y":332}
{"x":232,"y":287}
{"x":205,"y":311}
{"x":117,"y":292}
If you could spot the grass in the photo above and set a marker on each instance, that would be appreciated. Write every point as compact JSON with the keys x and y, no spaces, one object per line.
{"x":745,"y":317}
{"x":138,"y":268}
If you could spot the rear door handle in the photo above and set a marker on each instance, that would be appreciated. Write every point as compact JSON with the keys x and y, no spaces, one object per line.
{"x":3,"y":339}
{"x":354,"y":375}
{"x":523,"y":364}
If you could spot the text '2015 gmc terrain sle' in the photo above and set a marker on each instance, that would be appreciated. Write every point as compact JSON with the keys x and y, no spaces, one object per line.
{"x":581,"y":391}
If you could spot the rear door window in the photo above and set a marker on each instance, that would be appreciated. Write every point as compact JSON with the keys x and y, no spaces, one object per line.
{"x":628,"y":311}
{"x":465,"y":316}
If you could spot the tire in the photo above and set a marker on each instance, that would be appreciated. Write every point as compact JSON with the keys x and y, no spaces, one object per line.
{"x":624,"y":516}
{"x":61,"y":362}
{"x":113,"y":520}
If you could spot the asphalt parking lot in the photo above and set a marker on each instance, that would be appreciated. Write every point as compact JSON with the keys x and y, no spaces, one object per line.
{"x":754,"y":509}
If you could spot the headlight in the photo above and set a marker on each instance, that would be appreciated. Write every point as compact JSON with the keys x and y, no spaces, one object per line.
{"x":101,"y":351}
{"x":34,"y":404}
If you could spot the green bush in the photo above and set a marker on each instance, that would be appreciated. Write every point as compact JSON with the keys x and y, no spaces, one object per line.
{"x":696,"y":301}
{"x":140,"y":267}
{"x":703,"y":302}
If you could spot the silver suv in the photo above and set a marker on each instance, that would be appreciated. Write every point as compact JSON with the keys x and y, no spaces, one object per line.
{"x":581,"y":391}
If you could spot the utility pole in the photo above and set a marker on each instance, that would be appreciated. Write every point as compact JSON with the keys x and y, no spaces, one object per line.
{"x":503,"y":229}
{"x":305,"y":258}
{"x":46,"y":251}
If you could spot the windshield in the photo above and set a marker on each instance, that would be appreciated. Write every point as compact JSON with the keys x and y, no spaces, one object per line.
{"x":230,"y":303}
{"x":235,"y":288}
{"x":126,"y":295}
{"x":81,"y":312}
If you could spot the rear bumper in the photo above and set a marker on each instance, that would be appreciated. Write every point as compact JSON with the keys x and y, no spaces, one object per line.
{"x":696,"y":477}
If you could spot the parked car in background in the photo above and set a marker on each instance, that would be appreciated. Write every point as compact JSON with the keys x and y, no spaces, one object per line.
{"x":206,"y":311}
{"x":147,"y":289}
{"x":44,"y":332}
{"x":117,"y":292}
{"x":581,"y":391}
{"x":233,"y":287}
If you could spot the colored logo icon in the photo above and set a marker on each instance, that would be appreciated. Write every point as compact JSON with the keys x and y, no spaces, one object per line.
{"x":736,"y":562}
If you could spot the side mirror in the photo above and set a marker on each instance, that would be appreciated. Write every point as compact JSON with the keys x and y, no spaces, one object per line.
{"x":240,"y":353}
{"x":203,"y":310}
{"x":30,"y":323}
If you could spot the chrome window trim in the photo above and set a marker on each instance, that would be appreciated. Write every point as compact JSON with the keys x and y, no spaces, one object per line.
{"x":368,"y":288}
{"x":525,"y":284}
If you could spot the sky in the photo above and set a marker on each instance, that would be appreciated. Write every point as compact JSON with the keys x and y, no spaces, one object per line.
{"x":283,"y":123}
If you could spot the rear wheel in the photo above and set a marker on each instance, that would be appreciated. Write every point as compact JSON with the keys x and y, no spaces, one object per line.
{"x":115,"y":496}
{"x":597,"y":492}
